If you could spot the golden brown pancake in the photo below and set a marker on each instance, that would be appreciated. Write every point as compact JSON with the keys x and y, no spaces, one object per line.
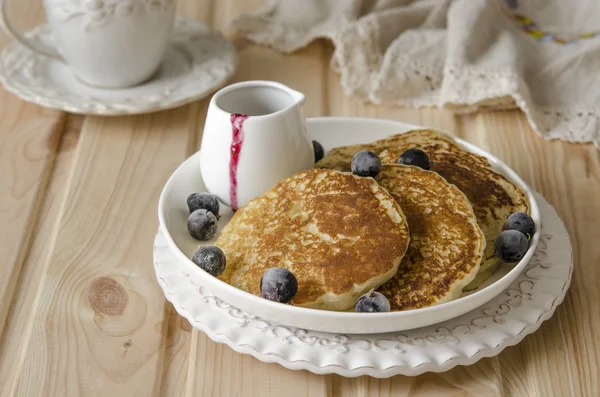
{"x":446,"y":245}
{"x":339,"y":234}
{"x":492,"y":196}
{"x":340,"y":158}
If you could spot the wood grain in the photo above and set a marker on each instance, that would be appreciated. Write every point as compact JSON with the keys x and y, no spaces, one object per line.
{"x":18,"y":321}
{"x":98,"y":324}
{"x":29,"y":136}
{"x":562,"y":357}
{"x":175,"y":361}
{"x":83,"y":315}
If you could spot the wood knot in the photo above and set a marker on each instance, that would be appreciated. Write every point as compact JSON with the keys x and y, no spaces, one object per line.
{"x":108,"y":297}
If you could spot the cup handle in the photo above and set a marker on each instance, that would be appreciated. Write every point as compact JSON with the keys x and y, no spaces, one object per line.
{"x":36,"y":47}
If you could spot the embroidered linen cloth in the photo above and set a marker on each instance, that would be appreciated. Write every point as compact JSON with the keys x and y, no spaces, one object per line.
{"x":542,"y":56}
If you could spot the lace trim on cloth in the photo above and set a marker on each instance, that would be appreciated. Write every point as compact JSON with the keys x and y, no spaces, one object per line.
{"x":392,"y":78}
{"x":469,"y":90}
{"x":367,"y":74}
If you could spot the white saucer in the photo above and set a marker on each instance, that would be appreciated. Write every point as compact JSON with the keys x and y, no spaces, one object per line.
{"x":484,"y":332}
{"x":198,"y":61}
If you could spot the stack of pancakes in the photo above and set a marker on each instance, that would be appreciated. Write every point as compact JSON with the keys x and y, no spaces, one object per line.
{"x":420,"y":237}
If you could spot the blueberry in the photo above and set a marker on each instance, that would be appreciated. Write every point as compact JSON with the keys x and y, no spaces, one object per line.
{"x":206,"y":201}
{"x":510,"y":246}
{"x":415,"y":157}
{"x":319,"y":152}
{"x":279,"y":285}
{"x":210,"y":259}
{"x":366,"y":163}
{"x":522,"y":222}
{"x":202,"y":225}
{"x":372,"y":302}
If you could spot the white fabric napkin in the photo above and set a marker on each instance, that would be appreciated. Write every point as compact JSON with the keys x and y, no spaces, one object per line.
{"x":542,"y":56}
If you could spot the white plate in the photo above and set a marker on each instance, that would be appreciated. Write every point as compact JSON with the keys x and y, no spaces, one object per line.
{"x":484,"y":332}
{"x":331,"y":132}
{"x":198,"y":61}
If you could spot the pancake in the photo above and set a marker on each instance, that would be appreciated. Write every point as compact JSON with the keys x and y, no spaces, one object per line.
{"x":492,"y":196}
{"x":340,"y":158}
{"x":339,"y":234}
{"x":417,"y":138}
{"x":446,"y":244}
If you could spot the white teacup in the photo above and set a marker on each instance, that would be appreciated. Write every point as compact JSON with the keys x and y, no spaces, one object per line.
{"x":107,"y":43}
{"x":255,"y":135}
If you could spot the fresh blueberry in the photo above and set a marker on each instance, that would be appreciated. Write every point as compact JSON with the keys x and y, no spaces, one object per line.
{"x":366,"y":163}
{"x":279,"y":285}
{"x":510,"y":246}
{"x":206,"y":201}
{"x":210,"y":259}
{"x":202,"y":225}
{"x":319,"y":152}
{"x":415,"y":157}
{"x":372,"y":302}
{"x":522,"y":222}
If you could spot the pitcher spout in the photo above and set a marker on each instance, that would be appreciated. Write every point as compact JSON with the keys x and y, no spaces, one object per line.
{"x":257,"y":98}
{"x":299,"y":97}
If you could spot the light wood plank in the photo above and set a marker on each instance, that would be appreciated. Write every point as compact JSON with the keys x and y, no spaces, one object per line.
{"x":179,"y":331}
{"x":98,"y":326}
{"x":218,"y":371}
{"x":27,"y":151}
{"x":457,"y":382}
{"x":177,"y":349}
{"x":18,"y":321}
{"x":29,"y":136}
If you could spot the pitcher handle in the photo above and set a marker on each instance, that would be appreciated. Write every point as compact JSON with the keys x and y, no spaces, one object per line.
{"x":36,"y":47}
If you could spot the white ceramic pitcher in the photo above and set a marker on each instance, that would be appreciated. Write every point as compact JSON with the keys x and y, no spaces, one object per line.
{"x":107,"y":43}
{"x":254,"y":136}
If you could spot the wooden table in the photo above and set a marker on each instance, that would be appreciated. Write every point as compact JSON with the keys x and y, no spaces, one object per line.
{"x":81,"y":313}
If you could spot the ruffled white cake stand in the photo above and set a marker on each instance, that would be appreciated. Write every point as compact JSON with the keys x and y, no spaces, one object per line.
{"x":484,"y":332}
